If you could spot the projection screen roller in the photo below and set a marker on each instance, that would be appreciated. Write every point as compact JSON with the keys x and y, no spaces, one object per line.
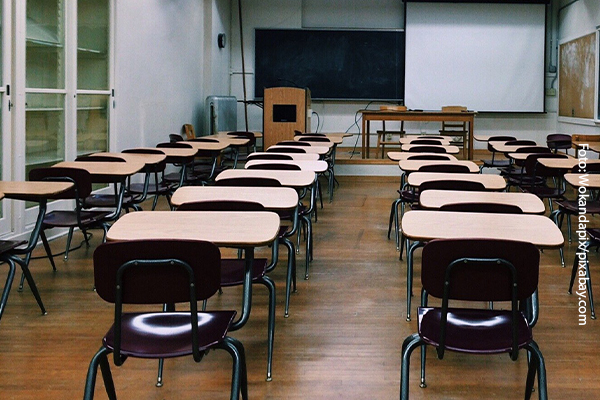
{"x":487,"y":57}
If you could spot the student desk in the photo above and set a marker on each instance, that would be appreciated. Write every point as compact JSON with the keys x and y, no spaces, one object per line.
{"x":392,"y":115}
{"x":272,"y":198}
{"x":294,"y":156}
{"x":592,"y":180}
{"x":318,"y":166}
{"x":246,"y":230}
{"x":108,"y":172}
{"x":424,"y":225}
{"x":501,"y":147}
{"x":491,"y":182}
{"x":35,"y":192}
{"x":147,"y":159}
{"x":409,"y":166}
{"x":299,"y":180}
{"x":403,"y":155}
{"x":449,"y":149}
{"x":528,"y":202}
{"x":563,"y":163}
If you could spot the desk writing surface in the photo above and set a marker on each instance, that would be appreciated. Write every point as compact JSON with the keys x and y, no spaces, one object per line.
{"x":491,"y":182}
{"x":235,"y":229}
{"x":563,"y":163}
{"x":403,"y":155}
{"x":257,"y":134}
{"x":294,"y":156}
{"x":321,"y":150}
{"x":272,"y":198}
{"x":592,"y":181}
{"x":501,"y":147}
{"x":449,"y":149}
{"x":414,"y":165}
{"x":174,"y":152}
{"x":318,"y":166}
{"x":32,"y":190}
{"x":296,"y":179}
{"x":148,"y":159}
{"x":528,"y":202}
{"x":210,"y":146}
{"x":425,"y":225}
{"x":117,"y":169}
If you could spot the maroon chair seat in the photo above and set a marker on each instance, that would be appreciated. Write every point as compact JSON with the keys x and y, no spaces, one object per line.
{"x":152,"y":272}
{"x":478,"y":270}
{"x":473,"y":331}
{"x":142,"y":333}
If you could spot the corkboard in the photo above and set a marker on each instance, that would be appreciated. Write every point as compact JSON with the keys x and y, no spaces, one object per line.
{"x":577,"y":77}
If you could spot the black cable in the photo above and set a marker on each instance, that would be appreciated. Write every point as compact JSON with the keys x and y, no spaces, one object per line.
{"x":318,"y":120}
{"x":356,"y":123}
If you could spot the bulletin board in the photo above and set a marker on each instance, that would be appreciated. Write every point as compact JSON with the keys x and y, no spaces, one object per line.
{"x":577,"y":77}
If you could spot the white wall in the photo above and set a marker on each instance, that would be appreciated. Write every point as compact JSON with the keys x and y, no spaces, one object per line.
{"x":340,"y":116}
{"x":159,"y":69}
{"x":578,"y":19}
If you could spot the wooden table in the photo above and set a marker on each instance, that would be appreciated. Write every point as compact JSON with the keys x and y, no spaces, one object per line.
{"x":35,"y":192}
{"x":272,"y":198}
{"x":318,"y":166}
{"x":435,"y":199}
{"x":491,"y":182}
{"x":449,"y":149}
{"x":294,"y":156}
{"x":147,"y":159}
{"x":424,"y":225}
{"x":391,"y":115}
{"x":403,"y":155}
{"x":409,"y":166}
{"x":246,"y":230}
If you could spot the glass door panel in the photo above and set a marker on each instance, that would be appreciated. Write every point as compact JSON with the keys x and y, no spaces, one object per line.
{"x":92,"y":123}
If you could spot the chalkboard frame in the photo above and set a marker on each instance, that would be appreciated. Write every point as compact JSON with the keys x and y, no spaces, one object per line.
{"x":337,"y":65}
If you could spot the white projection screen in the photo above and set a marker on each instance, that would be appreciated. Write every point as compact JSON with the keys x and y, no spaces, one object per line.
{"x":487,"y":57}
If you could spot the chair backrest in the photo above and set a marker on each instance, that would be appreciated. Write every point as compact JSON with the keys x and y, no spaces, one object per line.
{"x":100,"y":158}
{"x":244,"y":134}
{"x":292,"y":143}
{"x":452,"y":185}
{"x":521,"y":142}
{"x":263,"y":156}
{"x":448,"y":168}
{"x":188,"y":130}
{"x":557,"y":141}
{"x":161,"y":284}
{"x":81,"y":179}
{"x":433,"y":142}
{"x":315,"y":139}
{"x":427,"y":149}
{"x":483,"y":208}
{"x":175,"y":145}
{"x":534,"y":168}
{"x":286,"y":149}
{"x":298,"y":133}
{"x":206,"y":140}
{"x":248,"y":181}
{"x":275,"y":166}
{"x":474,"y":281}
{"x":498,"y":139}
{"x":534,"y":149}
{"x":430,"y":157}
{"x":175,"y":137}
{"x":221,"y":205}
{"x":149,"y":168}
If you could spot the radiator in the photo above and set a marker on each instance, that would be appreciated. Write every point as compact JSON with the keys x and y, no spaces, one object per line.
{"x":220,"y":114}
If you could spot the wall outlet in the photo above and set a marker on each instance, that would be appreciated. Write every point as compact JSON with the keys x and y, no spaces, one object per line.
{"x":388,"y":137}
{"x":551,"y":92}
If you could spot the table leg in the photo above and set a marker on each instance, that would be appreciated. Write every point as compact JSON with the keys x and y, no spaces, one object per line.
{"x":470,"y":141}
{"x":409,"y":274}
{"x":364,"y":127}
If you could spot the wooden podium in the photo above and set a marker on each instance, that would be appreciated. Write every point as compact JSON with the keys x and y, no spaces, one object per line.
{"x":286,"y":109}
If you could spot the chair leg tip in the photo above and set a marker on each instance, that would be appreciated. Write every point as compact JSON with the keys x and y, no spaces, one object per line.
{"x":408,"y":318}
{"x":593,"y":316}
{"x":269,"y":378}
{"x":159,"y":384}
{"x":423,"y":385}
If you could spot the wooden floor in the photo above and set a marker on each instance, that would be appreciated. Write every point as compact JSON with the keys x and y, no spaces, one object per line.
{"x":342,"y":340}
